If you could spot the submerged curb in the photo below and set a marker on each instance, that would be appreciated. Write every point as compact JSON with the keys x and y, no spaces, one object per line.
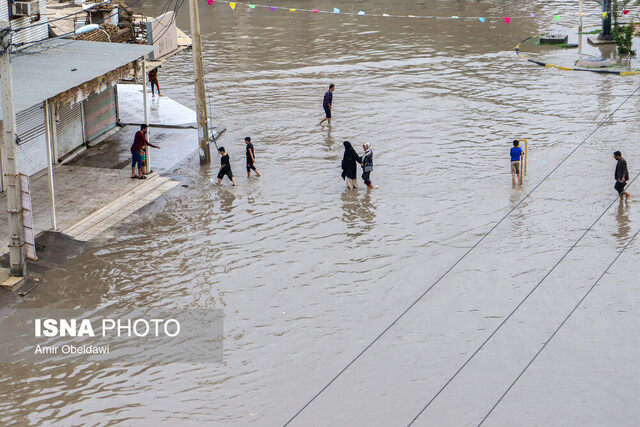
{"x":563,"y":68}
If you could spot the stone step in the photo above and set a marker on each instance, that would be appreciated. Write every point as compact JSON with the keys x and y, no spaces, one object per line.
{"x":115,"y":212}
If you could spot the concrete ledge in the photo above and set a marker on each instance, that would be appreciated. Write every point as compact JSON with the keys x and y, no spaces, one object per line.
{"x":9,"y":282}
{"x":92,"y":226}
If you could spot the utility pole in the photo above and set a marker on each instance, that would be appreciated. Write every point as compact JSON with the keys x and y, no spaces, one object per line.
{"x":147,"y":151}
{"x":17,"y":261}
{"x":198,"y":70}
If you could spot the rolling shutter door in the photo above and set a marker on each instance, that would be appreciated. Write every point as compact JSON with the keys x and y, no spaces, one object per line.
{"x":69,"y":130}
{"x":2,"y":178}
{"x":32,"y":149}
{"x":100,"y":113}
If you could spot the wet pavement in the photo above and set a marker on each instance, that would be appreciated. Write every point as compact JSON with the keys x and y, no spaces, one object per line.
{"x":471,"y":280}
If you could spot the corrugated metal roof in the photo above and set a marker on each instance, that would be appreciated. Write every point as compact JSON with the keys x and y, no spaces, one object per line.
{"x":45,"y":70}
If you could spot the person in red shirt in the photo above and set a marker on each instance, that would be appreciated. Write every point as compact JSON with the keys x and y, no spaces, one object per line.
{"x":137,"y":153}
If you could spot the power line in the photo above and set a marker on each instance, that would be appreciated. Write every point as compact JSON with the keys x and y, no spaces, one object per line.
{"x":459,"y":260}
{"x":506,"y":319}
{"x":559,"y":327}
{"x":34,"y":42}
{"x":48,"y":21}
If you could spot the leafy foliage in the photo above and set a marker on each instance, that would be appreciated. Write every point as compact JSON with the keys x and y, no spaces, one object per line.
{"x":623,"y":35}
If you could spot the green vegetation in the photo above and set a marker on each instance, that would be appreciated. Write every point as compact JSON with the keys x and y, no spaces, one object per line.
{"x":623,"y":35}
{"x":617,"y":8}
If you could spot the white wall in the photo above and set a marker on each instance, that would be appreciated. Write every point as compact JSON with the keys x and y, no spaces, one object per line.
{"x":30,"y":34}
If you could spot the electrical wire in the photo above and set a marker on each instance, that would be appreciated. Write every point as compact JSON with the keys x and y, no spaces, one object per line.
{"x":166,"y":27}
{"x":4,"y":33}
{"x":48,"y":21}
{"x":23,"y":45}
{"x":506,"y":319}
{"x":459,"y":260}
{"x":560,"y":327}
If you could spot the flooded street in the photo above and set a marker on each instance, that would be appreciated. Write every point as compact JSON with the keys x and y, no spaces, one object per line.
{"x":309,"y":274}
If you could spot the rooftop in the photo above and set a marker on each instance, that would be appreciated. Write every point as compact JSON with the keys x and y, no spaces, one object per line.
{"x":67,"y":64}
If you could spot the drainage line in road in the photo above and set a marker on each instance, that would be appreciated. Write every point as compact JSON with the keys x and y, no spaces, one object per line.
{"x":459,"y":259}
{"x":506,"y":319}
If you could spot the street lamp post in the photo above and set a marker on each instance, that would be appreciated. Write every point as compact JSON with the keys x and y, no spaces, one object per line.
{"x":605,"y":34}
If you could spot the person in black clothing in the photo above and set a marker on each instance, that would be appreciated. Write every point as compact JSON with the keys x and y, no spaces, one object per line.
{"x":225,"y":167}
{"x":251,"y":157}
{"x":367,"y":165}
{"x":349,"y":165}
{"x":327,"y":103}
{"x":622,"y":176}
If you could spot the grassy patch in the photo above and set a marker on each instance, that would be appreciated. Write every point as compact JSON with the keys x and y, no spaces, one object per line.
{"x":591,"y":32}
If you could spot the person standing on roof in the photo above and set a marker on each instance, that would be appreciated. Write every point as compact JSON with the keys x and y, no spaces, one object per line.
{"x":153,"y":80}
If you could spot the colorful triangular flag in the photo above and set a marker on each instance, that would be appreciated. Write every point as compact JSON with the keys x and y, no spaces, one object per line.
{"x":361,"y":13}
{"x":252,"y":6}
{"x":292,"y":10}
{"x":507,"y":20}
{"x":210,"y":2}
{"x":625,"y":12}
{"x":481,"y":20}
{"x":232,"y":6}
{"x":336,"y":10}
{"x":558,"y":17}
{"x":315,"y":10}
{"x":455,"y":17}
{"x":532,"y":15}
{"x":604,"y":15}
{"x":272,"y":8}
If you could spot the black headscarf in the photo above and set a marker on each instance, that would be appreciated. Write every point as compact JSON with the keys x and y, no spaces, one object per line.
{"x":349,"y":161}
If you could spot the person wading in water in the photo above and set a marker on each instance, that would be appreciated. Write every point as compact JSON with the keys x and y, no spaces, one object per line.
{"x":367,"y":165}
{"x":350,"y":162}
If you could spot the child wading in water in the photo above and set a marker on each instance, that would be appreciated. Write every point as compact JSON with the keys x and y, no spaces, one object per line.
{"x":367,"y":165}
{"x":225,"y":167}
{"x":251,"y":157}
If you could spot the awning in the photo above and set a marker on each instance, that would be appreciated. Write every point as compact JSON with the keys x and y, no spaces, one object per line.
{"x":47,"y":69}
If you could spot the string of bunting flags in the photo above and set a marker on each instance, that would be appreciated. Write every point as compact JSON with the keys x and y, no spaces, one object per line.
{"x":483,"y":19}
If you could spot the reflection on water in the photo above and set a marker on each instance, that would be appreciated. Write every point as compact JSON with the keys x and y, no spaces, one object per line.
{"x":226,"y":200}
{"x":308,"y":272}
{"x":624,"y":224}
{"x":330,"y":141}
{"x":358,"y":211}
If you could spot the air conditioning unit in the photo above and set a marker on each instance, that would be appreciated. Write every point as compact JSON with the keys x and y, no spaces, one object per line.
{"x":25,"y":8}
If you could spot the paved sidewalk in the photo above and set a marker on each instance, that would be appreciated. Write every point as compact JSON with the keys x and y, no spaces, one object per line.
{"x":83,"y":191}
{"x":93,"y":191}
{"x":163,"y":110}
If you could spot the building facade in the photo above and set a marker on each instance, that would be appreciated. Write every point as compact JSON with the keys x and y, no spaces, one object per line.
{"x":78,"y":115}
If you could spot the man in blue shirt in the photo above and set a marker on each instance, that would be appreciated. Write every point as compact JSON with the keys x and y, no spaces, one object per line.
{"x":516,"y":154}
{"x":326,"y":104}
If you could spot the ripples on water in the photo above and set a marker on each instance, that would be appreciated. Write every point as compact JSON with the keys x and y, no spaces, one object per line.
{"x":308,"y":273}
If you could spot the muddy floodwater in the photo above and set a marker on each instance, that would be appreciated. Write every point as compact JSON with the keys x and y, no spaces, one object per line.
{"x":472,"y":275}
